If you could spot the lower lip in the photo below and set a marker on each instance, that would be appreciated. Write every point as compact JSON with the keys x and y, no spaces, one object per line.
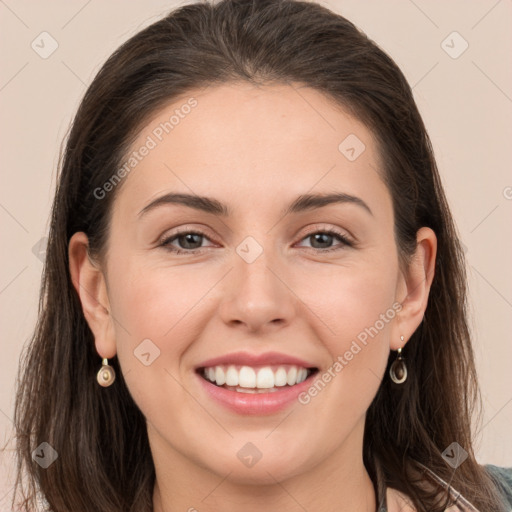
{"x":256,"y":403}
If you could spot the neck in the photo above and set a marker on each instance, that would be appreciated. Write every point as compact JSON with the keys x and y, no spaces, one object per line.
{"x":339,"y":482}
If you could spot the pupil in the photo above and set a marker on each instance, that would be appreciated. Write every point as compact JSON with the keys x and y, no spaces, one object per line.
{"x":188,"y":237}
{"x":322,"y":238}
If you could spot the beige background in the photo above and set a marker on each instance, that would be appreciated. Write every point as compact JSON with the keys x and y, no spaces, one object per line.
{"x":466,"y":103}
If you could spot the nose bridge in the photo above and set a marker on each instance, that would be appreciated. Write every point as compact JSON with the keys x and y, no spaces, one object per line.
{"x":254,"y":268}
{"x":257,"y":294}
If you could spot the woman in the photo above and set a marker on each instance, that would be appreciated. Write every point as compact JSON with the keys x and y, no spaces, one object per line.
{"x":259,"y":368}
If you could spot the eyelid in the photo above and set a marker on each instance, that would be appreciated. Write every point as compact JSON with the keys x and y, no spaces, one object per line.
{"x":315,"y":228}
{"x":183,"y":230}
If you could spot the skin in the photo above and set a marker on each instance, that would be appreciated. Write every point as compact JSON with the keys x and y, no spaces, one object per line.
{"x":256,"y":150}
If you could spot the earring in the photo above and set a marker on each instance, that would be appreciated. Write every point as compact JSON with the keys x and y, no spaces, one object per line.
{"x":106,"y":375}
{"x":398,"y":370}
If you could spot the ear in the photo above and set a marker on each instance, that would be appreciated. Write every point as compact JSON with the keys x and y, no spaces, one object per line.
{"x":414,"y":287}
{"x":90,"y":284}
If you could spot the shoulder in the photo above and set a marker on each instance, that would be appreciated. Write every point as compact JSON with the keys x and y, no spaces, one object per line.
{"x":502,"y":476}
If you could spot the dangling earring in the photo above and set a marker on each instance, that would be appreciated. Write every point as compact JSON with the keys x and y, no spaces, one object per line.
{"x":398,"y":370}
{"x":106,"y":375}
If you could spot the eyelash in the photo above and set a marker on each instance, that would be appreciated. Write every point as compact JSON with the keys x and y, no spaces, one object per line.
{"x":166,"y":241}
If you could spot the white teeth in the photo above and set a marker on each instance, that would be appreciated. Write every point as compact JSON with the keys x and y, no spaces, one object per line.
{"x":265,"y":377}
{"x":301,"y":377}
{"x":247,"y":377}
{"x":231,"y":377}
{"x":291,"y":378}
{"x":280,"y":377}
{"x":219,"y":376}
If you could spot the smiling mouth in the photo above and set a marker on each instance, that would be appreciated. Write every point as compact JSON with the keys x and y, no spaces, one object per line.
{"x":256,"y":379}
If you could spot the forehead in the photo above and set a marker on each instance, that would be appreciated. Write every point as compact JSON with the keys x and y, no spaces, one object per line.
{"x":240,"y":142}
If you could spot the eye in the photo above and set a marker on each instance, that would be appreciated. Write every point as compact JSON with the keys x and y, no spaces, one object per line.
{"x":190,"y":242}
{"x":321,"y":240}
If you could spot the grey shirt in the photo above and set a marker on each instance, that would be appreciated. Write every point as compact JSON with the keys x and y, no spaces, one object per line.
{"x":503,"y":478}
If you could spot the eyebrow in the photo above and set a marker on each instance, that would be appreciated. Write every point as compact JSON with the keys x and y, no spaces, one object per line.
{"x":304,"y":202}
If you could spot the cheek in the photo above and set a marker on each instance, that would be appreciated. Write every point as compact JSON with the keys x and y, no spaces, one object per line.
{"x":348,"y":300}
{"x":155,"y":322}
{"x":356,"y":308}
{"x":144,"y":307}
{"x":158,"y":311}
{"x":152,"y":301}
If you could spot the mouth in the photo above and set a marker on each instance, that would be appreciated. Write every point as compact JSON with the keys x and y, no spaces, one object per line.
{"x":256,"y":379}
{"x":245,"y":383}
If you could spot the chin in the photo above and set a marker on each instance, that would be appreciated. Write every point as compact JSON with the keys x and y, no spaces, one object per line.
{"x":266,"y":471}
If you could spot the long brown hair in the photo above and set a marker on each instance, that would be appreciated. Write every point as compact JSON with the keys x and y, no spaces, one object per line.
{"x":104,"y":461}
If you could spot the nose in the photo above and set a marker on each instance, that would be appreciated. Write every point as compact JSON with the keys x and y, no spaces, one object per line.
{"x":258,"y":296}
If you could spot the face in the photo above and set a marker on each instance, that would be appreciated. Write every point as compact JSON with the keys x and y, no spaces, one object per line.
{"x":269,"y":286}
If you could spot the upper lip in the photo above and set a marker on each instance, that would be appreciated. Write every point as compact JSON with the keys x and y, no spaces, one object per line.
{"x":247,"y":359}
